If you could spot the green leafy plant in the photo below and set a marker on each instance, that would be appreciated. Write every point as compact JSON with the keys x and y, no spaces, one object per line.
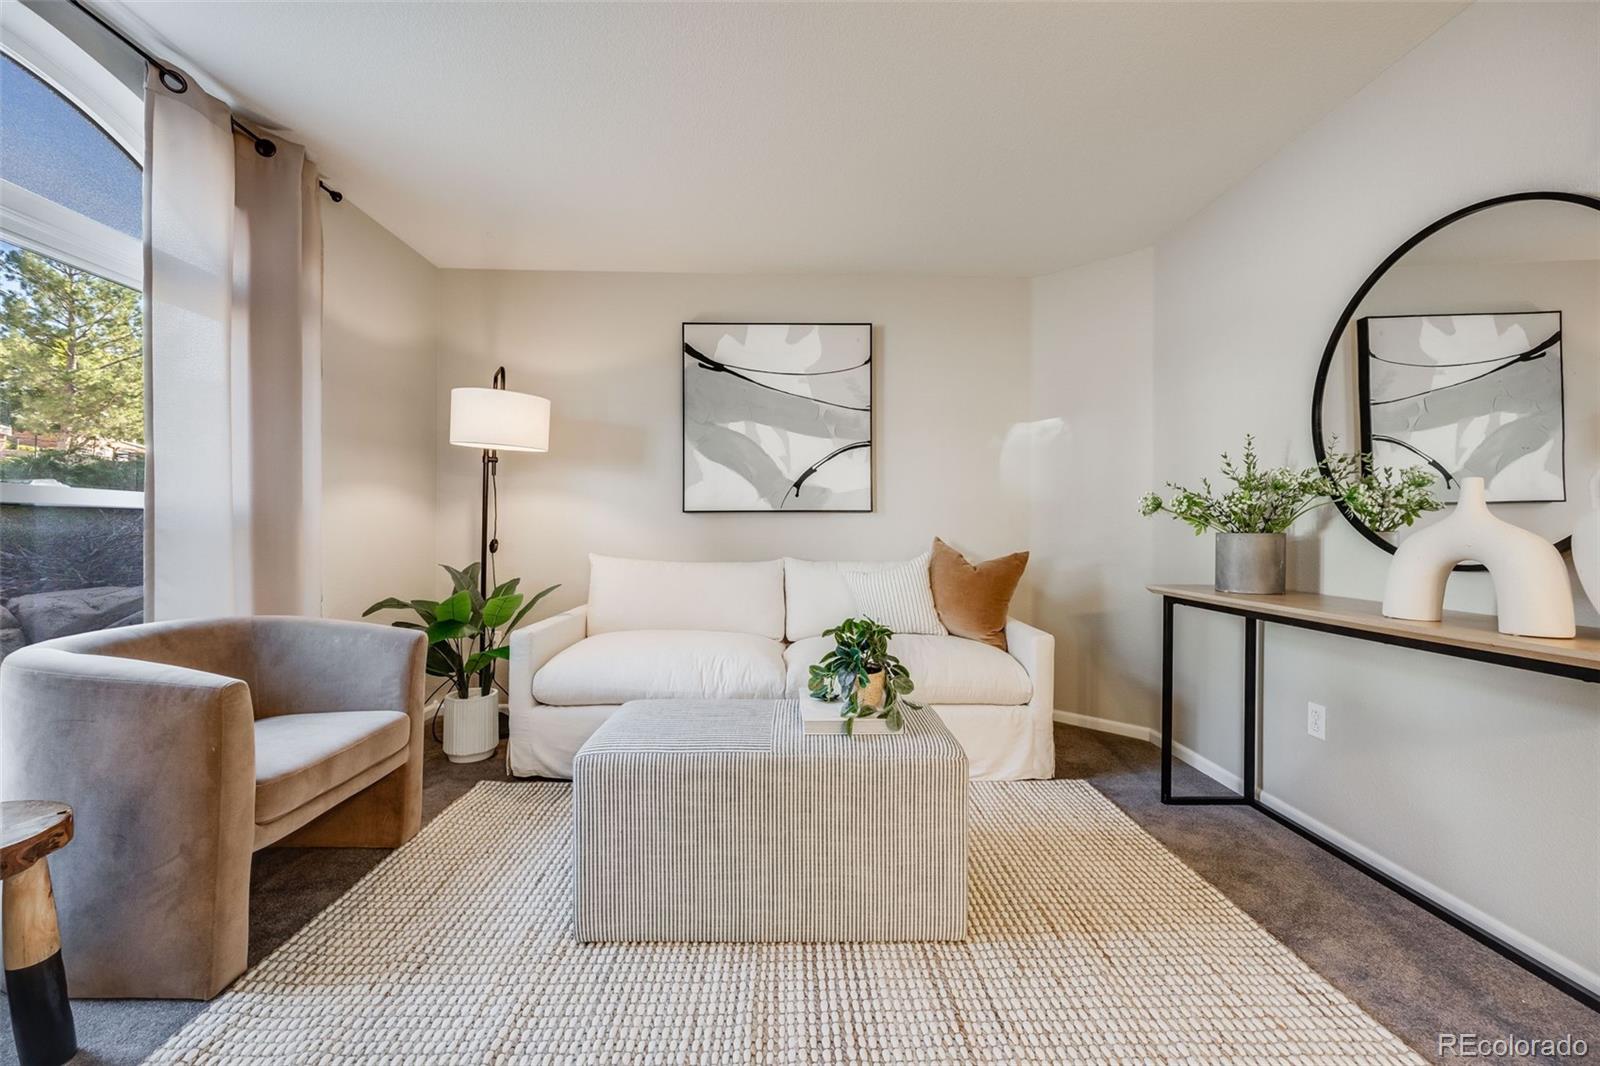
{"x":860,"y":653}
{"x":1271,"y":499}
{"x":1384,"y":498}
{"x":461,"y":620}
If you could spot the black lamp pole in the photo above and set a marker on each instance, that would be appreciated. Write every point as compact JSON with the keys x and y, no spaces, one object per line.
{"x":488,"y":545}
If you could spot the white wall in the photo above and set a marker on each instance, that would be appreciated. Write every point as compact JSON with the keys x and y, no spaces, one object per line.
{"x":951,"y":361}
{"x":1483,"y":782}
{"x":378,"y":415}
{"x":1091,"y":442}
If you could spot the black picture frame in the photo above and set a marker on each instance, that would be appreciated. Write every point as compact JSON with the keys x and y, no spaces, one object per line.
{"x":1364,"y":354}
{"x":872,"y":423}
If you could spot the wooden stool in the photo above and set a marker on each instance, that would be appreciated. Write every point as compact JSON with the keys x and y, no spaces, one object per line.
{"x":36,"y":981}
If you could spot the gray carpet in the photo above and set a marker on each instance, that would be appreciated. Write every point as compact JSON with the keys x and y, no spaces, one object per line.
{"x":1413,"y":973}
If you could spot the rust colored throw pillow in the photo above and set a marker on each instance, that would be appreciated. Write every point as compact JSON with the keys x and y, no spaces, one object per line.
{"x":972,"y":601}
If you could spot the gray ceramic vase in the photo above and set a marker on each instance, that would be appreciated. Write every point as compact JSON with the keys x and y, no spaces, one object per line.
{"x":1251,"y":563}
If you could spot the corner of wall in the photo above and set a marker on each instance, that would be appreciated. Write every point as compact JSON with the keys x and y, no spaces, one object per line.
{"x":1091,"y":366}
{"x":379,"y":414}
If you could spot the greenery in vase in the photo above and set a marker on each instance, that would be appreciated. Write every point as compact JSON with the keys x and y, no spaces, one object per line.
{"x":861,"y":649}
{"x":1271,"y":499}
{"x":457,"y":622}
{"x":1384,"y":498}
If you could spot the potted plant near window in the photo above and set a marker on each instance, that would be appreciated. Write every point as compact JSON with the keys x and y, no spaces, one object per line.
{"x":860,"y":672}
{"x":467,"y":634}
{"x":1251,"y":518}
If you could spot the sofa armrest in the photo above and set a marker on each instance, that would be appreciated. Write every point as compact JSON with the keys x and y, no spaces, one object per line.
{"x":158,"y":764}
{"x":1036,"y":651}
{"x":305,"y":665}
{"x":533,"y":646}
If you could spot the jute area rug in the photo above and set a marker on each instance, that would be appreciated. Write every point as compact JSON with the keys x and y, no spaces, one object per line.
{"x":1088,"y":942}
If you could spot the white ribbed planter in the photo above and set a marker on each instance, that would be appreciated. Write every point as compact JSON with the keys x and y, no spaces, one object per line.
{"x":471,"y":726}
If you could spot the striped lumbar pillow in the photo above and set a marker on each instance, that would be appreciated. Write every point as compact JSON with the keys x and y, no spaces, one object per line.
{"x":899,"y":597}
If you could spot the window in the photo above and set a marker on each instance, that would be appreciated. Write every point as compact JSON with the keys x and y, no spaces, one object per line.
{"x":50,"y":148}
{"x":71,"y":351}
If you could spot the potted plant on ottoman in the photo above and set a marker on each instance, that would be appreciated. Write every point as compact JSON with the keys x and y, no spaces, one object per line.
{"x":1250,"y":519}
{"x":861,"y":672}
{"x":454,"y":625}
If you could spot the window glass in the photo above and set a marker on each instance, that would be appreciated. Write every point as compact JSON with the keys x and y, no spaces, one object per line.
{"x":49,"y":147}
{"x":71,"y":376}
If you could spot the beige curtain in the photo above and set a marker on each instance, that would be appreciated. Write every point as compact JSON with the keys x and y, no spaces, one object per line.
{"x":233,"y":325}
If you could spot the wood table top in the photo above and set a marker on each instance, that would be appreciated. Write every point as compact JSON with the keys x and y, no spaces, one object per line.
{"x":30,"y":830}
{"x":1457,"y":629}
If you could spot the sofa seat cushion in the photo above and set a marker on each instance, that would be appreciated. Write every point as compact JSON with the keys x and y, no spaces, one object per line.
{"x":662,"y":664}
{"x":301,"y":756}
{"x":944,"y":669}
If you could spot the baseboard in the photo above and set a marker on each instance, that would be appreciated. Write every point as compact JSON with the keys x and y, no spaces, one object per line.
{"x":1573,"y":971}
{"x":1224,"y":777}
{"x":1151,"y":736}
{"x":1107,"y":725}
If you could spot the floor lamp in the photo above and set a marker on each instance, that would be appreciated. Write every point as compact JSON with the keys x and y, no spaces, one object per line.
{"x":495,"y":420}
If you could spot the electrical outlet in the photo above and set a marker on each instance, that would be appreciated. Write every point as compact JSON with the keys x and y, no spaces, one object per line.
{"x":1317,"y":720}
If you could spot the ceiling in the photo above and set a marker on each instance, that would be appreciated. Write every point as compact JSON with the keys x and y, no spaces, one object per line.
{"x":990,"y":139}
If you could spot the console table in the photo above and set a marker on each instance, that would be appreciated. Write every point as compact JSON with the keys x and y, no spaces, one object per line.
{"x":1459,"y":635}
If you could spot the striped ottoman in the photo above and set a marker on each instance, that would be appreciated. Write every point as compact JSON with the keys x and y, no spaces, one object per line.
{"x":724,"y":821}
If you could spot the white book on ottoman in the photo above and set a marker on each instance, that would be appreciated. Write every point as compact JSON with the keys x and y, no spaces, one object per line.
{"x":821,"y":718}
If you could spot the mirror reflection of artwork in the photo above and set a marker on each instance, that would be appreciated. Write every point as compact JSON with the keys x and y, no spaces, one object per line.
{"x":1471,"y":396}
{"x":777,"y":417}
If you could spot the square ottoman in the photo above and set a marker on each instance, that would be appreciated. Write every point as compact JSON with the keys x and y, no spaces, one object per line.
{"x":723,"y":820}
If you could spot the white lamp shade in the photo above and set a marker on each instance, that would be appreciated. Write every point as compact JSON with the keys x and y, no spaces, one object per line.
{"x":499,"y":419}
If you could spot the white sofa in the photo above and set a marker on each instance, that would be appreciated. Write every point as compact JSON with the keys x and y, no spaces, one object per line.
{"x":663,"y":630}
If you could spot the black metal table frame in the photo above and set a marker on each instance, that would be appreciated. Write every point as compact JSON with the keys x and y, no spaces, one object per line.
{"x":1248,"y":797}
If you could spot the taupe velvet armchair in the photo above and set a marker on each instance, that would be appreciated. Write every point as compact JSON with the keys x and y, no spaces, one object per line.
{"x":184,"y":747}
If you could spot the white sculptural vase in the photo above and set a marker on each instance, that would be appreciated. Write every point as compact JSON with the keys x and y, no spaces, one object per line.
{"x":1586,"y":545}
{"x":1530,"y":580}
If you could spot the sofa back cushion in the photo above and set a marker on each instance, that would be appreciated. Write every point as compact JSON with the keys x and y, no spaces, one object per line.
{"x":817,"y":596}
{"x":628,"y":594}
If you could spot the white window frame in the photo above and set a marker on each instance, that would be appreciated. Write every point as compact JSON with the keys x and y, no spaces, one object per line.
{"x":41,"y":224}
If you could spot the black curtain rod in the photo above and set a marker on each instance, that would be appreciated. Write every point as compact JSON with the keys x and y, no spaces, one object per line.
{"x":177,"y":83}
{"x":171,"y":78}
{"x":266,"y":147}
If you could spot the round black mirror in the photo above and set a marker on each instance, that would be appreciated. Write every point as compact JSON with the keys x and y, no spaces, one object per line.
{"x":1474,"y":350}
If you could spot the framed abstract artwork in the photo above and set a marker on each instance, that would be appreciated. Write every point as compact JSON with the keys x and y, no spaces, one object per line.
{"x":1475,"y":395}
{"x":777,"y":416}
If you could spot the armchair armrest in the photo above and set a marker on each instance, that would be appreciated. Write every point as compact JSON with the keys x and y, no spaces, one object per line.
{"x":158,"y":764}
{"x":533,"y":646}
{"x":322,"y":664}
{"x":1036,"y":651}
